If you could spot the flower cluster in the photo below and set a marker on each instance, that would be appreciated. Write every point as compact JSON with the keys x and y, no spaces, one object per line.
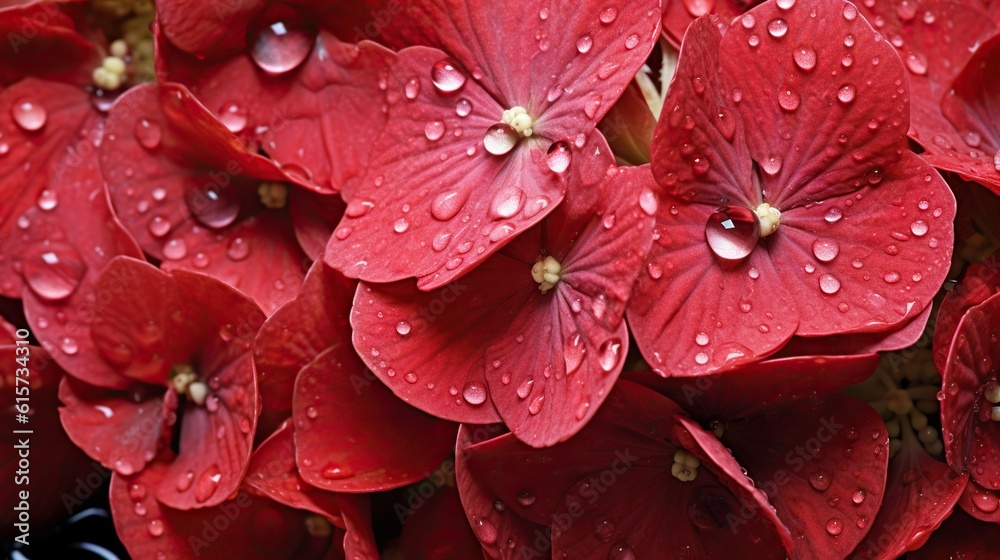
{"x":438,"y":279}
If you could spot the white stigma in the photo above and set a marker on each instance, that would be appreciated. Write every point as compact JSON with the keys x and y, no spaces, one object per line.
{"x":770,"y":219}
{"x":685,"y":467}
{"x":273,"y":195}
{"x":547,"y":272}
{"x":186,"y":382}
{"x":519,"y":119}
{"x":111,"y":74}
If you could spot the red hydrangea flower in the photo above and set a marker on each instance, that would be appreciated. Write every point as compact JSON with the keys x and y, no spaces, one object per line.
{"x":960,"y":537}
{"x":196,"y":198}
{"x":247,"y":525}
{"x":639,"y":480}
{"x":308,"y":370}
{"x":277,"y":76}
{"x":180,"y":346}
{"x":820,"y":460}
{"x":535,"y":335}
{"x":480,"y":130}
{"x":790,"y":204}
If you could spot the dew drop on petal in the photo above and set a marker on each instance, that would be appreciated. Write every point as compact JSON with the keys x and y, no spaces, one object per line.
{"x":447,"y":76}
{"x":403,"y":328}
{"x":609,"y":15}
{"x":826,"y":250}
{"x":789,"y":99}
{"x":846,"y":93}
{"x":820,"y":480}
{"x":54,"y":271}
{"x":916,"y":63}
{"x":447,"y":205}
{"x":278,"y":48}
{"x":583,"y":44}
{"x":234,"y":117}
{"x":147,"y":133}
{"x":834,"y":526}
{"x":777,"y":28}
{"x":463,"y":107}
{"x":175,"y":249}
{"x":558,"y":157}
{"x":213,"y":206}
{"x":805,"y":58}
{"x":919,"y":228}
{"x":474,"y":393}
{"x":500,"y":139}
{"x":28,"y":114}
{"x":238,"y":249}
{"x":732,"y":232}
{"x":434,"y":130}
{"x":829,"y":284}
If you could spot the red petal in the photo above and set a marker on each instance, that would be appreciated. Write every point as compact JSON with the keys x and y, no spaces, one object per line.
{"x":353,"y":435}
{"x":920,"y":493}
{"x":981,"y":503}
{"x":823,"y":466}
{"x":53,"y":118}
{"x":396,"y":227}
{"x":40,"y":31}
{"x":971,"y":438}
{"x":207,"y":28}
{"x":628,"y":126}
{"x":960,"y":537}
{"x":297,"y":333}
{"x":299,"y":119}
{"x":679,"y":15}
{"x":866,"y":343}
{"x":314,"y":216}
{"x":439,"y":531}
{"x":497,"y":527}
{"x":215,"y":440}
{"x":123,"y":430}
{"x":272,"y":471}
{"x":980,"y":281}
{"x":794,"y":99}
{"x":244,"y":527}
{"x":186,"y":188}
{"x":359,"y":542}
{"x":750,"y":391}
{"x":879,"y":264}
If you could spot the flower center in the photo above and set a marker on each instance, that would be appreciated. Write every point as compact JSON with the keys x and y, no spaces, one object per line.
{"x":547,"y":272}
{"x":685,"y":467}
{"x":992,"y":396}
{"x":273,"y":195}
{"x":187,"y":382}
{"x":770,"y":219}
{"x":112,"y":72}
{"x":519,"y":119}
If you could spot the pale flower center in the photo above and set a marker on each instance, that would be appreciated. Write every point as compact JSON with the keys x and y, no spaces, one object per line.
{"x":770,"y":219}
{"x":186,"y":382}
{"x":685,"y":467}
{"x":547,"y":272}
{"x":111,"y":74}
{"x":273,"y":195}
{"x":519,"y":119}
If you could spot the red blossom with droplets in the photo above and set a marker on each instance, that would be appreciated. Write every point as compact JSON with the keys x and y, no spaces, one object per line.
{"x":481,"y":131}
{"x":535,"y":335}
{"x":789,"y":204}
{"x":197,"y":199}
{"x":640,"y":479}
{"x":177,"y":347}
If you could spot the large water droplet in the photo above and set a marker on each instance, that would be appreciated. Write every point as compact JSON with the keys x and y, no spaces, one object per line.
{"x":500,"y":139}
{"x":53,"y":271}
{"x":919,"y":228}
{"x":732,"y":232}
{"x":777,"y":28}
{"x":558,"y":157}
{"x":607,"y":356}
{"x":213,"y":206}
{"x":621,"y":551}
{"x":698,"y":8}
{"x":820,"y":480}
{"x":829,"y":284}
{"x":238,"y":249}
{"x":234,"y":117}
{"x":789,"y":99}
{"x":574,"y":353}
{"x":916,"y":63}
{"x":147,"y":133}
{"x":474,"y":393}
{"x":609,"y":15}
{"x":447,"y":76}
{"x":447,"y":204}
{"x":434,"y":130}
{"x":846,"y":93}
{"x":826,"y":250}
{"x":834,"y":526}
{"x":29,"y":114}
{"x":207,"y":483}
{"x":805,"y":58}
{"x":280,"y":48}
{"x":507,"y":203}
{"x":175,"y":249}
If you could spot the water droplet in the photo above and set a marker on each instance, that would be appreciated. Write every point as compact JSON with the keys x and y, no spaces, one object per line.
{"x":621,"y":551}
{"x":434,"y":130}
{"x":609,"y":15}
{"x":234,"y":117}
{"x":788,"y":99}
{"x":400,"y":225}
{"x":632,"y":41}
{"x":820,"y":480}
{"x":500,"y":139}
{"x":486,"y":531}
{"x":525,"y":389}
{"x":846,"y":93}
{"x":805,"y":58}
{"x":410,"y":378}
{"x":213,"y":206}
{"x":403,"y":328}
{"x":185,"y":481}
{"x":278,"y":48}
{"x":175,"y":249}
{"x":238,"y":249}
{"x":463,"y":107}
{"x":826,"y":250}
{"x":53,"y":271}
{"x":829,"y":284}
{"x":732,"y":232}
{"x":447,"y":76}
{"x":609,"y":353}
{"x":916,"y":63}
{"x":507,"y":203}
{"x":148,"y":134}
{"x":412,"y":88}
{"x":858,"y":496}
{"x":584,"y":44}
{"x":155,"y":527}
{"x":29,"y":114}
{"x":604,"y":529}
{"x":771,"y":165}
{"x":474,"y":393}
{"x":919,"y":228}
{"x":777,"y":28}
{"x":558,"y":157}
{"x":834,"y":526}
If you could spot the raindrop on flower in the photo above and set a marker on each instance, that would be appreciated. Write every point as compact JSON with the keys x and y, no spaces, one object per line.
{"x":732,"y":232}
{"x":829,"y":284}
{"x":805,"y":58}
{"x":474,"y":393}
{"x":447,"y":77}
{"x":147,"y":133}
{"x":29,"y":114}
{"x":846,"y":93}
{"x":500,"y":139}
{"x":434,"y":130}
{"x":279,"y":48}
{"x":558,"y":157}
{"x":777,"y":28}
